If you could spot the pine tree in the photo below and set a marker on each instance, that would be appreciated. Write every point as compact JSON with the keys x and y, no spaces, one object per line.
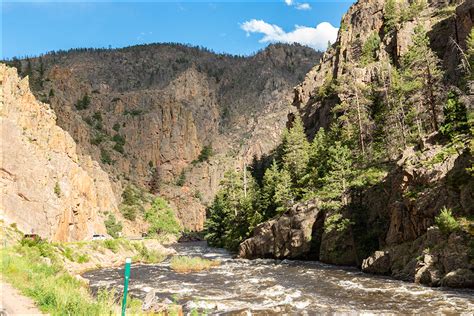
{"x":353,"y":112}
{"x":391,"y":16}
{"x":318,"y":159}
{"x":295,"y":152}
{"x":470,"y":53}
{"x":284,"y":195}
{"x":421,"y":66}
{"x":455,"y":116}
{"x":337,"y":180}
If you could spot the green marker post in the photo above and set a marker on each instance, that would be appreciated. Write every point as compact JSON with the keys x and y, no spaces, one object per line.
{"x":128,"y":263}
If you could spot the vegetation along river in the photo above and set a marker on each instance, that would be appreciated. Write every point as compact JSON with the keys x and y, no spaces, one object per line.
{"x":275,"y":287}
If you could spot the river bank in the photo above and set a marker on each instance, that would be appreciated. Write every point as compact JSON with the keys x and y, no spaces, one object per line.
{"x":275,"y":287}
{"x":49,"y":273}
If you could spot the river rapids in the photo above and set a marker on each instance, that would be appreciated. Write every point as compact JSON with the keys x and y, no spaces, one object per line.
{"x":275,"y":287}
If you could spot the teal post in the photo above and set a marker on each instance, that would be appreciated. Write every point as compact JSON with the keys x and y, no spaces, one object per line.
{"x":128,"y":263}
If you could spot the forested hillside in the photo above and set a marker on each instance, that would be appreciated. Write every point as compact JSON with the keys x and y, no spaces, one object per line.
{"x":381,"y":151}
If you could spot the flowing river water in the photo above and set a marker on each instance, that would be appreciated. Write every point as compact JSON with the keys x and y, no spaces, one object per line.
{"x":275,"y":287}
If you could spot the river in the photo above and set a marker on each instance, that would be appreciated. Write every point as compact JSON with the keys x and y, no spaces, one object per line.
{"x":275,"y":287}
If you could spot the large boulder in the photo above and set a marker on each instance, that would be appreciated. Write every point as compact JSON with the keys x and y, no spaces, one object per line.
{"x":289,"y":235}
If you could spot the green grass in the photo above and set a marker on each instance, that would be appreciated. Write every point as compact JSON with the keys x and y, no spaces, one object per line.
{"x":54,"y":290}
{"x":185,"y":264}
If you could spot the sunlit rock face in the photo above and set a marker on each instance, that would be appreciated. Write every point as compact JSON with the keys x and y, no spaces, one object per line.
{"x":47,"y":187}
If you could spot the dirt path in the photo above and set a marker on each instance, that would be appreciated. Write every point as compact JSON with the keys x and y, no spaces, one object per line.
{"x":14,"y":303}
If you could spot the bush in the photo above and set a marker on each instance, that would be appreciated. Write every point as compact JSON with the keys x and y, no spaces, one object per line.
{"x":113,"y":227}
{"x":129,"y":212}
{"x":105,"y":157}
{"x":118,"y":148}
{"x":57,"y":190}
{"x":181,"y":179}
{"x":185,"y":264}
{"x":369,"y":49}
{"x":112,"y":244}
{"x":162,"y":218}
{"x":116,"y":127}
{"x":206,"y":153}
{"x":446,"y":221}
{"x":83,"y":103}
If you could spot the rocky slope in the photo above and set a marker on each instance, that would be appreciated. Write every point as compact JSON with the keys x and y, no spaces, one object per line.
{"x":47,"y":187}
{"x":387,"y":228}
{"x":146,"y":112}
{"x":444,"y":21}
{"x":396,"y":215}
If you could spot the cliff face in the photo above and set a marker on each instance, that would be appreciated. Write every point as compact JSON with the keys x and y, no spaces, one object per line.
{"x":445,"y":21}
{"x":387,"y":228}
{"x":47,"y":187}
{"x":146,"y":112}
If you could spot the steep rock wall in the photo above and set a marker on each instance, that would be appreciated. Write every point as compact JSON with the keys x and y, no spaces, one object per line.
{"x":46,"y":186}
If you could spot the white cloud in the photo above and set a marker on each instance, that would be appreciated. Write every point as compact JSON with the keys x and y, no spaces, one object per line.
{"x":316,"y":37}
{"x":289,"y":2}
{"x":303,"y":6}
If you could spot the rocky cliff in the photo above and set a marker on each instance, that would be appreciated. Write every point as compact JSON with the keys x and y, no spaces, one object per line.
{"x":47,"y":186}
{"x":146,"y":112}
{"x":388,"y":228}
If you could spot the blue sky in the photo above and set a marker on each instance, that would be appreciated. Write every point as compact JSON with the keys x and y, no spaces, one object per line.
{"x":243,"y":27}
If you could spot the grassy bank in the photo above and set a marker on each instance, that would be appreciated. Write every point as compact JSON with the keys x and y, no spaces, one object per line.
{"x":46,"y":272}
{"x":37,"y":272}
{"x":185,"y":264}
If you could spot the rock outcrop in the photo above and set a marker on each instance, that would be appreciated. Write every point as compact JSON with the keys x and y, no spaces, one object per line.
{"x":291,"y":235}
{"x":146,"y":112}
{"x":47,"y":187}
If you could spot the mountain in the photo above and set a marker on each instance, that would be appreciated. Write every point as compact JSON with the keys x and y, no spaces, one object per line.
{"x":148,"y":114}
{"x":388,"y":184}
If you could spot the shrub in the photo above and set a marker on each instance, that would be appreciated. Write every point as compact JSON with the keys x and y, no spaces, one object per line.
{"x":57,"y":190}
{"x":205,"y":154}
{"x":185,"y":264}
{"x":118,"y":148}
{"x":181,"y":179}
{"x":83,"y":103}
{"x":105,"y":157}
{"x":162,"y":218}
{"x":129,"y":212}
{"x":146,"y":255}
{"x":113,"y":227}
{"x":112,"y":244}
{"x":116,"y":127}
{"x":369,"y":49}
{"x":446,"y":221}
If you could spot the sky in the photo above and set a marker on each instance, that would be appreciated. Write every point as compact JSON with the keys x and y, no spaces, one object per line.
{"x":30,"y":28}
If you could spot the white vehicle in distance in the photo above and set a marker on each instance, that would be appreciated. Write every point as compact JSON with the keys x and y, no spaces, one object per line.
{"x":99,"y":237}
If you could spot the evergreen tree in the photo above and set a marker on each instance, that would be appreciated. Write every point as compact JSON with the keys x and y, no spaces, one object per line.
{"x":284,"y":195}
{"x":470,"y":53}
{"x":295,"y":152}
{"x":234,"y":211}
{"x":337,"y":180}
{"x":317,"y":164}
{"x":353,"y":112}
{"x":455,"y":116}
{"x":391,"y":16}
{"x":421,"y":66}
